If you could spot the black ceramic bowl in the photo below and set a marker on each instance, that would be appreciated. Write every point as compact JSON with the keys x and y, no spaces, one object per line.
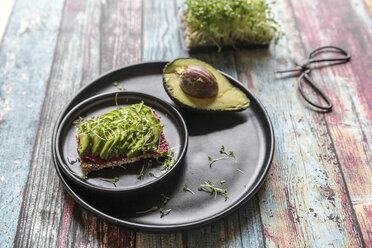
{"x":128,"y":179}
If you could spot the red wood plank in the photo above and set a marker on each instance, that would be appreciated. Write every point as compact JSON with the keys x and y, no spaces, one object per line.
{"x":304,"y":201}
{"x":120,"y":35}
{"x":349,"y":87}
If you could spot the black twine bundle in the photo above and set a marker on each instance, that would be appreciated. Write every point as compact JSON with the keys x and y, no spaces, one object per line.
{"x":305,"y":73}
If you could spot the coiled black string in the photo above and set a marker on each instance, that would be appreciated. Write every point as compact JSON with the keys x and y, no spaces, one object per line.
{"x":305,"y":75}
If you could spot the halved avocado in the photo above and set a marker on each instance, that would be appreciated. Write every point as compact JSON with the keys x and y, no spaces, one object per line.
{"x":228,"y":97}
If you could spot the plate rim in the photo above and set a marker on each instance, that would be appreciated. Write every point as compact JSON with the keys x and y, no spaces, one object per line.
{"x":105,"y":96}
{"x":174,"y":227}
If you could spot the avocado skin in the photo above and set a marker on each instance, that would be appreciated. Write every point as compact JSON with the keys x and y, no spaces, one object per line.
{"x":229,"y":97}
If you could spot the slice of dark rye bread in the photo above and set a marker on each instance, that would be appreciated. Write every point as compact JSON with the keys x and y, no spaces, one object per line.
{"x":87,"y":165}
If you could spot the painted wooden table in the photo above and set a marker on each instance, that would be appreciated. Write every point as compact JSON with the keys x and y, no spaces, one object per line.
{"x":318,"y":192}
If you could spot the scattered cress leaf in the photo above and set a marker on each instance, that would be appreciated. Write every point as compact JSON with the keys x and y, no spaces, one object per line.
{"x":164,"y":212}
{"x":186,"y":188}
{"x":141,"y":174}
{"x":230,"y":153}
{"x":213,"y":160}
{"x":154,"y":208}
{"x":209,"y":187}
{"x":166,"y":198}
{"x":112,"y":180}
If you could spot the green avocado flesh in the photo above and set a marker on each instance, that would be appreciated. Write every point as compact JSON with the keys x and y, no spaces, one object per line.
{"x":228,"y":98}
{"x":129,"y":132}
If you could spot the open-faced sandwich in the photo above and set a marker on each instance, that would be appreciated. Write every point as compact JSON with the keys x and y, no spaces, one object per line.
{"x":120,"y":136}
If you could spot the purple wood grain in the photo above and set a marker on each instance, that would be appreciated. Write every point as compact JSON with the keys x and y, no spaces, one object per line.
{"x":49,"y":217}
{"x":305,"y":200}
{"x":120,"y":38}
{"x":318,"y":192}
{"x":349,"y":86}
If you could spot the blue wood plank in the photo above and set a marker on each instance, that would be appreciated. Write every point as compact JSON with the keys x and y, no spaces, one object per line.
{"x":26,"y":56}
{"x":161,"y":40}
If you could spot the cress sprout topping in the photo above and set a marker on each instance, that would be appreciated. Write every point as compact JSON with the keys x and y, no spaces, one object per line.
{"x":228,"y":23}
{"x":128,"y":131}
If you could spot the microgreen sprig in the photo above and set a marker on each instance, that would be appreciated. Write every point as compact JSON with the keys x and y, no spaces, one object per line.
{"x":230,"y":153}
{"x":186,"y":188}
{"x":154,"y":208}
{"x":79,"y":120}
{"x":113,"y":180}
{"x":141,"y":174}
{"x":166,"y":198}
{"x":83,"y":176}
{"x":164,"y":212}
{"x":152,"y":174}
{"x":213,"y":160}
{"x":209,"y":187}
{"x":169,"y":161}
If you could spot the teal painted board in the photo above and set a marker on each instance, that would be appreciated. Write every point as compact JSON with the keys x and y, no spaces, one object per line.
{"x":49,"y":217}
{"x":25,"y":60}
{"x":161,"y":40}
{"x":46,"y":212}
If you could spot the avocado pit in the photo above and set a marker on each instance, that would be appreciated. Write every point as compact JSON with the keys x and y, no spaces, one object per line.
{"x":198,"y":81}
{"x":198,"y":86}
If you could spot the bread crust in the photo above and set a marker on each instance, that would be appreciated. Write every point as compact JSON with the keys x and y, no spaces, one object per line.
{"x":88,"y":166}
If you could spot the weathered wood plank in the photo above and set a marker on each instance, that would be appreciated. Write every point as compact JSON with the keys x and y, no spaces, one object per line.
{"x":160,"y":31}
{"x":161,"y":41}
{"x":349,"y":86}
{"x":65,"y":79}
{"x":304,"y":201}
{"x":369,"y":4}
{"x":121,"y":40}
{"x":25,"y":60}
{"x":49,"y":217}
{"x":5,"y":11}
{"x":236,"y":231}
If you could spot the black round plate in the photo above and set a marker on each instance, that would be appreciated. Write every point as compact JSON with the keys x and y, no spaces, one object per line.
{"x":248,"y":134}
{"x":128,"y":182}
